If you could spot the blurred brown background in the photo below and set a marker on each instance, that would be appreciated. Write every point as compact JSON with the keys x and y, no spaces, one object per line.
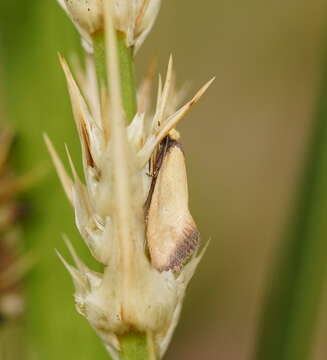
{"x":244,"y":142}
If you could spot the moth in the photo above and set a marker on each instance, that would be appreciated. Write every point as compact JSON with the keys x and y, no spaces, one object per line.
{"x":172,"y":235}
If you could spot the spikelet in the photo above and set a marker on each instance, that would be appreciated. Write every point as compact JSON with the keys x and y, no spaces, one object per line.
{"x":134,"y":18}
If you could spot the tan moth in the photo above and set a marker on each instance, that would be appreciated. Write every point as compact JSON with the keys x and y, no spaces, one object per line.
{"x":172,"y":235}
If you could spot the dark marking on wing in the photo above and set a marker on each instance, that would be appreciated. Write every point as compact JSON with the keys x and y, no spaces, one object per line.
{"x":184,"y":250}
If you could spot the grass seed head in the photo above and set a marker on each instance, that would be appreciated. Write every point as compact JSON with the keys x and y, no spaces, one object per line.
{"x":132,"y":209}
{"x":143,"y":247}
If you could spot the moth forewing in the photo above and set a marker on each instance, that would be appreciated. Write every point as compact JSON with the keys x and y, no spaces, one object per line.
{"x":171,"y":231}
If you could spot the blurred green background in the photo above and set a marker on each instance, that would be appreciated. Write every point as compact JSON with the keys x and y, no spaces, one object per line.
{"x":245,"y":144}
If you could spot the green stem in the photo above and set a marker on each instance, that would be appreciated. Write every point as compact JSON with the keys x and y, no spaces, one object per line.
{"x":135,"y":347}
{"x":126,"y":62}
{"x":293,"y":301}
{"x":99,"y":56}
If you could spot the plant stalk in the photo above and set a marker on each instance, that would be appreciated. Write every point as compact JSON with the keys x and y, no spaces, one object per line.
{"x":290,"y":315}
{"x":127,"y":75}
{"x":134,"y":346}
